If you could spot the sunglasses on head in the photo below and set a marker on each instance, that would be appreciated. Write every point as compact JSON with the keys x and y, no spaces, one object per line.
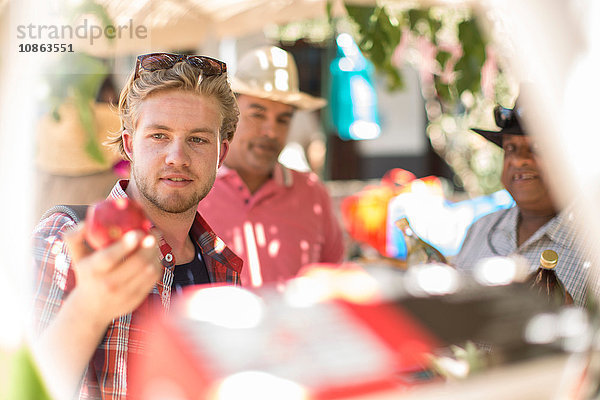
{"x":155,"y":61}
{"x":506,"y":117}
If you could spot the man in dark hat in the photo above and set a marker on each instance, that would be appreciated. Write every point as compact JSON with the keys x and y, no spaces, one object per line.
{"x":535,"y":223}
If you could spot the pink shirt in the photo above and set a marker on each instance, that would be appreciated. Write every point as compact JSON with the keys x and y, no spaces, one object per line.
{"x":287,"y":223}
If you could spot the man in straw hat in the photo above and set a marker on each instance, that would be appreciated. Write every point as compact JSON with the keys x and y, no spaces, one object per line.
{"x":276,"y":219}
{"x":178,"y":116}
{"x":535,"y":223}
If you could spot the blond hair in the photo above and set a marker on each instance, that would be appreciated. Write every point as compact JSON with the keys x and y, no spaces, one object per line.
{"x":181,"y":76}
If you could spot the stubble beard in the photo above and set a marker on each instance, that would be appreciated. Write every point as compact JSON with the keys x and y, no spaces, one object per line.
{"x":173,"y":204}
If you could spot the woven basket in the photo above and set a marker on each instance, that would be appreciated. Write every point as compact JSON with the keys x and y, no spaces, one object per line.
{"x":61,"y":144}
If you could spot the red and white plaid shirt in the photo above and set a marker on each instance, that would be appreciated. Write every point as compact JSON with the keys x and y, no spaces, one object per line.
{"x":106,"y":374}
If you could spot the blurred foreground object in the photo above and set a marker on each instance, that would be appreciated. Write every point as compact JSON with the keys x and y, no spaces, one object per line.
{"x":19,"y":376}
{"x":325,"y":337}
{"x":268,"y":346}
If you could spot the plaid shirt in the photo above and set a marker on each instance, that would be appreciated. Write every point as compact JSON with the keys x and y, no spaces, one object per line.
{"x":106,"y":375}
{"x":559,"y":234}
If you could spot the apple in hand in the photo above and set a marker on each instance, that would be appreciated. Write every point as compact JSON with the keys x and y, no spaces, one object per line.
{"x":107,"y":221}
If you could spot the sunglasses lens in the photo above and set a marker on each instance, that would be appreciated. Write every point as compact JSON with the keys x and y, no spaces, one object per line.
{"x":503,"y":116}
{"x":154,"y":62}
{"x":207,"y":65}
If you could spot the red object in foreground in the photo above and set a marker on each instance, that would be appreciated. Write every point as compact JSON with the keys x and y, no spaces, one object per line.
{"x":109,"y":220}
{"x":332,"y":350}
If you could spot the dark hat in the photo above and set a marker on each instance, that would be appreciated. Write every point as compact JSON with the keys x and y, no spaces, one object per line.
{"x":509,"y":122}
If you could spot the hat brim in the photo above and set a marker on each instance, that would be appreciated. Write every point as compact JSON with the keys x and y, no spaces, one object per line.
{"x":299,"y":100}
{"x":496,"y":136}
{"x":493,"y":136}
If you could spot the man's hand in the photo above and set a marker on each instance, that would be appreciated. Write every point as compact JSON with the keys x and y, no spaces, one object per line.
{"x":114,"y":280}
{"x":109,"y":282}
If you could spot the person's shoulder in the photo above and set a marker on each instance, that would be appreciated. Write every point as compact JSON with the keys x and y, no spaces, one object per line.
{"x":487,"y":221}
{"x":305,"y":178}
{"x":493,"y":216}
{"x":54,"y":223}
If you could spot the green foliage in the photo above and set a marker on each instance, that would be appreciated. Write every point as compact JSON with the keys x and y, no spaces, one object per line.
{"x":91,"y":7}
{"x":452,"y":87}
{"x":19,"y":377}
{"x":470,"y":64}
{"x":380,"y":35}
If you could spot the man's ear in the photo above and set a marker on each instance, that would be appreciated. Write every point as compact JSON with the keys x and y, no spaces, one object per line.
{"x":223,"y":152}
{"x":128,"y":143}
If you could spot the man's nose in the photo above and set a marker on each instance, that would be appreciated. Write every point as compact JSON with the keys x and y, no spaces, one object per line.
{"x":269,"y":128}
{"x":524,"y":156}
{"x":178,"y":153}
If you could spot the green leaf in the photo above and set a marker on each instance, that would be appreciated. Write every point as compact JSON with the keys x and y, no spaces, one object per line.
{"x":468,"y":67}
{"x":442,"y":58}
{"x":76,"y":71}
{"x":361,"y":15}
{"x":435,"y":25}
{"x":328,"y":10}
{"x":469,"y":74}
{"x":415,"y":15}
{"x":380,"y":37}
{"x":86,"y":117}
{"x":23,"y":381}
{"x":91,"y":7}
{"x":443,"y":90}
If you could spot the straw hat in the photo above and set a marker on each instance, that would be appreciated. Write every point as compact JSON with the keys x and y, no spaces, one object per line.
{"x":61,"y":144}
{"x":271,"y":73}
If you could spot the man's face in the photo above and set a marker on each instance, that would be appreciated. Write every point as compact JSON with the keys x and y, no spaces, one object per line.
{"x":260,"y":136}
{"x":175,"y":150}
{"x":522,"y":177}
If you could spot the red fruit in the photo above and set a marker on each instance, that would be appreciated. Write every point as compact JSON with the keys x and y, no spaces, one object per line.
{"x":109,"y":220}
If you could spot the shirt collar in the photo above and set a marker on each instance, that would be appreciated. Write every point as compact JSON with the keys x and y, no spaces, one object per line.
{"x":559,"y":229}
{"x":281,"y":174}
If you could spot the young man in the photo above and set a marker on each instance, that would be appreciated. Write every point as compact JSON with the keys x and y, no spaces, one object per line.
{"x":535,"y":223}
{"x":178,"y":116}
{"x":276,"y":219}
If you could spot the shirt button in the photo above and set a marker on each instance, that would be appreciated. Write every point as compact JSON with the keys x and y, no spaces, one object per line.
{"x":169,"y":257}
{"x":246,"y":201}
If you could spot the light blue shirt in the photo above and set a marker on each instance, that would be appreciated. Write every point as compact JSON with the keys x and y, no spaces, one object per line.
{"x":496,"y":235}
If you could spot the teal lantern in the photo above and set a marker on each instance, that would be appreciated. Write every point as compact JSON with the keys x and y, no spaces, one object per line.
{"x":353,"y":98}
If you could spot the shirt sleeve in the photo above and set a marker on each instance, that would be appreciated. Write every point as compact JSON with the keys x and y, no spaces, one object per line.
{"x":53,"y":276}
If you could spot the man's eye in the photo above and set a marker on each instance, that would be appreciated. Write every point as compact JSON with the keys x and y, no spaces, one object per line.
{"x":158,"y":135}
{"x":197,"y":140}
